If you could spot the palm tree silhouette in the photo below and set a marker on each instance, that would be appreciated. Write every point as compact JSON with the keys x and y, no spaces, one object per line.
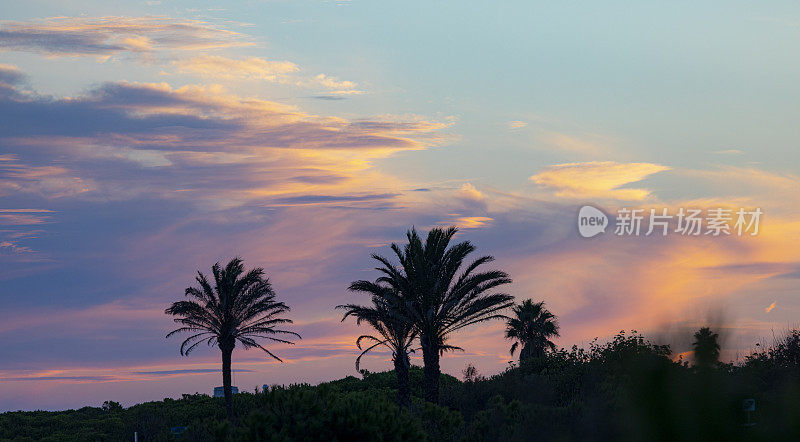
{"x":531,"y":325}
{"x":392,"y":331}
{"x":438,"y":299}
{"x":706,"y":348}
{"x":239,"y":307}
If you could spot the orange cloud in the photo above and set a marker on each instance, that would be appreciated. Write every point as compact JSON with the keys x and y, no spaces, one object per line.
{"x":338,"y":87}
{"x":105,"y":37}
{"x":54,"y":181}
{"x":283,"y":72}
{"x":223,"y":67}
{"x":262,"y":150}
{"x":471,"y":222}
{"x":748,"y":186}
{"x":471,"y":192}
{"x":570,"y":143}
{"x":598,"y":179}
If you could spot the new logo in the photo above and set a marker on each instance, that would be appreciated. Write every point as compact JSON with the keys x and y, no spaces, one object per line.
{"x":591,"y":221}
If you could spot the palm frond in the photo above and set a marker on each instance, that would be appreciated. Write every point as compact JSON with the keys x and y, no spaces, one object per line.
{"x":237,"y":306}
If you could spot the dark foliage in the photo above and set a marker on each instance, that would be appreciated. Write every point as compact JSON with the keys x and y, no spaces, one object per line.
{"x":624,"y":389}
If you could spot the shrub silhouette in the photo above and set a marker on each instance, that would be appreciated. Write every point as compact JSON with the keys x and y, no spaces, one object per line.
{"x":626,"y":388}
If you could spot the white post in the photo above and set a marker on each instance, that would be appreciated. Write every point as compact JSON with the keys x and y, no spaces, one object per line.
{"x":135,"y":436}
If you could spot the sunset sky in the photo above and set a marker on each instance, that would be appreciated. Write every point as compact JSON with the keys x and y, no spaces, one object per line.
{"x":141,"y":143}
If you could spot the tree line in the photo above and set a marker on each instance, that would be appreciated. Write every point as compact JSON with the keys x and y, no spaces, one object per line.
{"x":426,"y":293}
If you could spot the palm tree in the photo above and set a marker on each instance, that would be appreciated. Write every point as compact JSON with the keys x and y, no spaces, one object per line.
{"x":533,"y":326}
{"x":438,"y":299}
{"x":239,"y":307}
{"x":393,"y":333}
{"x":706,"y":348}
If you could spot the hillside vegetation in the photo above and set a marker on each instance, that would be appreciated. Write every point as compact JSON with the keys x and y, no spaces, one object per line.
{"x":625,"y":389}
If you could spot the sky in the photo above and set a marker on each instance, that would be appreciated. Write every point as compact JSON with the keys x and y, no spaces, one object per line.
{"x":141,"y":142}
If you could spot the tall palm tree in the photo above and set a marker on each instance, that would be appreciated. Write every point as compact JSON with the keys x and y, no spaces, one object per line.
{"x":706,"y":348}
{"x":238,"y":307}
{"x":533,"y":326}
{"x":438,"y":299}
{"x":392,"y":332}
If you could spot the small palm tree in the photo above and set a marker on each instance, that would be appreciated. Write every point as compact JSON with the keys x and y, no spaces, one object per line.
{"x":392,"y":332}
{"x":706,"y":348}
{"x":238,"y":307}
{"x":533,"y":326}
{"x":440,"y":298}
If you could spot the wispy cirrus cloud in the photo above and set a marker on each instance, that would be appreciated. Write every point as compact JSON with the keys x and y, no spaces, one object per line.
{"x":80,"y":376}
{"x":586,"y":144}
{"x":105,"y":37}
{"x":256,"y":68}
{"x":187,"y":371}
{"x":219,"y":152}
{"x":61,"y":378}
{"x":55,"y":181}
{"x":471,"y":222}
{"x":23,"y":217}
{"x":333,"y":85}
{"x":729,"y":152}
{"x":215,"y":66}
{"x":10,"y":76}
{"x":15,"y":229}
{"x":748,"y":184}
{"x":333,"y":199}
{"x":257,"y":149}
{"x":158,"y":40}
{"x":597,"y":179}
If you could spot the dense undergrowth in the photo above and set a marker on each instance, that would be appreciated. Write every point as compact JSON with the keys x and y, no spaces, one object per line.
{"x":626,"y":389}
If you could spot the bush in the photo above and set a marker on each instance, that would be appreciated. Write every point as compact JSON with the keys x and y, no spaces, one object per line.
{"x":624,"y":389}
{"x":327,"y":414}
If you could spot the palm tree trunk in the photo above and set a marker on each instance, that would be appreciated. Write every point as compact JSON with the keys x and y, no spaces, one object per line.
{"x":525,"y":353}
{"x":430,"y":356}
{"x":401,"y":368}
{"x":226,"y":380}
